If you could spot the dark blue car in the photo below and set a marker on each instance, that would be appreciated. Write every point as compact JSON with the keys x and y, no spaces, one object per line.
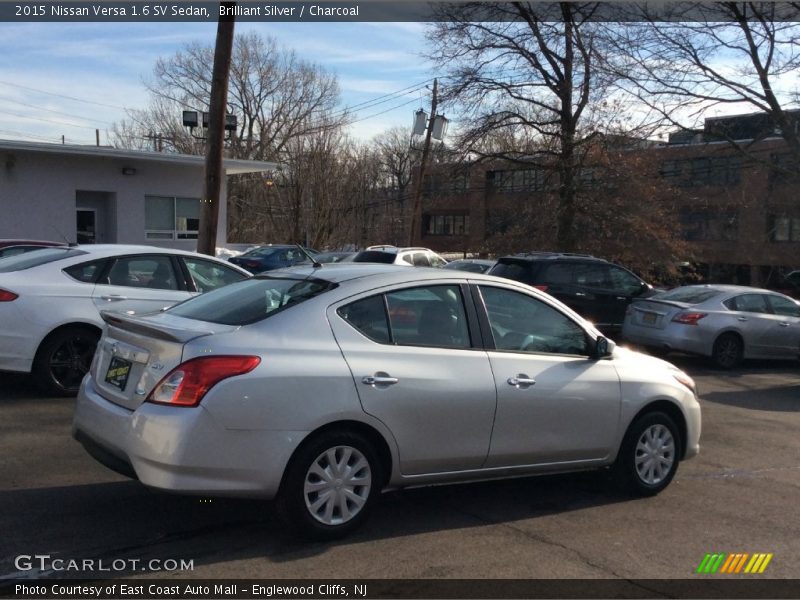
{"x":273,"y":256}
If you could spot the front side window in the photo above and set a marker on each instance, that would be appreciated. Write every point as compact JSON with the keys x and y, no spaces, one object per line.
{"x":521,"y":323}
{"x":784,"y":306}
{"x":624,"y":282}
{"x":170,"y":218}
{"x":208,"y":275}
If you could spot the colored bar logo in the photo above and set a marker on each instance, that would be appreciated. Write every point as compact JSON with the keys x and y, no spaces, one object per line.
{"x":730,"y":564}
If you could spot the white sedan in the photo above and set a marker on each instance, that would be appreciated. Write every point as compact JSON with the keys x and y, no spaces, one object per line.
{"x":50,"y":301}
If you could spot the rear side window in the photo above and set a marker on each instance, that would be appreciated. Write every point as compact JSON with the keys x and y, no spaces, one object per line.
{"x":753,"y":303}
{"x":35,"y":259}
{"x":688,"y":295}
{"x":420,"y":316}
{"x":85,"y":272}
{"x":252,"y":300}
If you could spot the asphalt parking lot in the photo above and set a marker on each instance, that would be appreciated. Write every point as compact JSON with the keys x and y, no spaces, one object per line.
{"x":739,"y":495}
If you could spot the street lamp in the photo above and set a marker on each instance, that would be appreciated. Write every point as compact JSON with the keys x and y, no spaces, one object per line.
{"x":191,"y":120}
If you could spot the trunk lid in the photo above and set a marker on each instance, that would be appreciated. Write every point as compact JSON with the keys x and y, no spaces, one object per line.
{"x":135,"y":353}
{"x":655,"y":314}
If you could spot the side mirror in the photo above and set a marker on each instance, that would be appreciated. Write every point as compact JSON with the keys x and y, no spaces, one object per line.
{"x":602,"y":347}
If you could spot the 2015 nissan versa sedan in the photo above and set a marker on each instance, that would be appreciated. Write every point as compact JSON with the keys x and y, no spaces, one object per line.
{"x":320,"y":387}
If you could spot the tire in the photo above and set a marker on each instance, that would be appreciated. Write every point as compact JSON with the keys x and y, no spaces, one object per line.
{"x":330,"y":485}
{"x":62,"y":360}
{"x":728,"y":351}
{"x":649,"y":455}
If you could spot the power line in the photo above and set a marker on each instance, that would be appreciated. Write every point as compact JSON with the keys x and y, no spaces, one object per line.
{"x":19,"y":116}
{"x":7,"y":99}
{"x":23,"y":87}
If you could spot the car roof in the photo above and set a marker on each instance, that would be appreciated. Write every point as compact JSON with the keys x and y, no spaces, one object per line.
{"x":339,"y":272}
{"x":727,"y":288}
{"x":537,"y":255}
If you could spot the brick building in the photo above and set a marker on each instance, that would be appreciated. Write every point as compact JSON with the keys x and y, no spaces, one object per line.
{"x":738,"y":213}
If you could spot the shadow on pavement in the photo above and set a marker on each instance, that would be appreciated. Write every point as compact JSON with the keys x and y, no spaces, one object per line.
{"x":124,"y":519}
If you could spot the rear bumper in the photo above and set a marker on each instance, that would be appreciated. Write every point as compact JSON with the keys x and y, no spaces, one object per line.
{"x":681,"y":338}
{"x":181,"y":449}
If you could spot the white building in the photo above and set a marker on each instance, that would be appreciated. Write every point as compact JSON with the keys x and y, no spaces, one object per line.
{"x":91,"y":194}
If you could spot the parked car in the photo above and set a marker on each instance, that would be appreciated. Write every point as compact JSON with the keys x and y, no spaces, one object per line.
{"x":14,"y":247}
{"x":50,"y":301}
{"x":472,"y":265}
{"x":272,"y":256}
{"x":333,"y":257}
{"x":392,"y":255}
{"x":320,"y":387}
{"x":595,"y":288}
{"x":727,"y":323}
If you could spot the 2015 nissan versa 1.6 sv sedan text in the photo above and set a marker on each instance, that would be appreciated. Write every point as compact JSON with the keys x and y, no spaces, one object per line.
{"x":320,"y":387}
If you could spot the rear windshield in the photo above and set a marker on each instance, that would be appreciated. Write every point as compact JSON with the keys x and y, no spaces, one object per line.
{"x":252,"y":300}
{"x":375,"y":256}
{"x":42,"y":256}
{"x":688,"y":295}
{"x":263,"y":251}
{"x":512,"y":270}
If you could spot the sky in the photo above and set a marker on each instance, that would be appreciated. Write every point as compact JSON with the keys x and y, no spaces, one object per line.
{"x":67,"y":80}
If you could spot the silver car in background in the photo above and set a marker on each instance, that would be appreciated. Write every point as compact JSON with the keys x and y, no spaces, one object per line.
{"x":727,"y":323}
{"x":321,"y":387}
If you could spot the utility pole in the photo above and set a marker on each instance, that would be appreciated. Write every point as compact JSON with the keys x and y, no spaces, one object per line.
{"x":416,"y":209}
{"x":209,"y":204}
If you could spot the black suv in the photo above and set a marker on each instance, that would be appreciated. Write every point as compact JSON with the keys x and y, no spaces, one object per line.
{"x":598,"y":290}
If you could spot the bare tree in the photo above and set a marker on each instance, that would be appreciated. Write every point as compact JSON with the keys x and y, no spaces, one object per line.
{"x":689,"y":59}
{"x":527,"y":78}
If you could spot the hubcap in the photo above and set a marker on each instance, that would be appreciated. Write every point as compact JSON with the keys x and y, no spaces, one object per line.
{"x":337,"y":485}
{"x":655,"y":454}
{"x":728,"y":352}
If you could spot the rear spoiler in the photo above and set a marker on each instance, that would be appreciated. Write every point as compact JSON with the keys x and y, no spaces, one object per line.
{"x":136,"y":324}
{"x":664,"y":302}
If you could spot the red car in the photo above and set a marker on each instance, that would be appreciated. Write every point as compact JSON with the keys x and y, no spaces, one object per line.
{"x":13,"y":247}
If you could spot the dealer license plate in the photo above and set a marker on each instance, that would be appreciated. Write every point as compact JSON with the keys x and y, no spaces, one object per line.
{"x":118,"y":371}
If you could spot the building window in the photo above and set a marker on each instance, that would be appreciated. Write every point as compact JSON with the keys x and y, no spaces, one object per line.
{"x":171,"y":218}
{"x":785,"y":229}
{"x":785,"y":169}
{"x":703,"y":170}
{"x":446,"y":184}
{"x":445,"y":224}
{"x":522,"y":180}
{"x":705,"y":226}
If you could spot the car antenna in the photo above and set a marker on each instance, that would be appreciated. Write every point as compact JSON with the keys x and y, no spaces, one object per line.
{"x":314,"y":262}
{"x":62,"y":236}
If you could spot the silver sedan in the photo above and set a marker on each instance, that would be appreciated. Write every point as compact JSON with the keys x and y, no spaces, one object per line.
{"x":320,"y":387}
{"x":727,"y":323}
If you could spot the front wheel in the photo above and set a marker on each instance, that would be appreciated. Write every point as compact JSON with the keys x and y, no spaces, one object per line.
{"x":649,"y":454}
{"x":330,"y":485}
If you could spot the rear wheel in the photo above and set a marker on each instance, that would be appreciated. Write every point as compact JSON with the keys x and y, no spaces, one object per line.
{"x":63,"y":358}
{"x":648,"y":458}
{"x":728,"y":351}
{"x":330,"y":485}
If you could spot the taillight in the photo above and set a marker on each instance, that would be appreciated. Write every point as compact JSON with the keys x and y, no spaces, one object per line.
{"x":187,"y":383}
{"x":541,"y":288}
{"x":6,"y":296}
{"x":688,"y":318}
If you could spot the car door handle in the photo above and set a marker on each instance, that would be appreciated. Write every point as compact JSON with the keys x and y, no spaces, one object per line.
{"x":520,"y":380}
{"x":114,"y":297}
{"x":783,"y":324}
{"x":379,"y":380}
{"x":742,"y":319}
